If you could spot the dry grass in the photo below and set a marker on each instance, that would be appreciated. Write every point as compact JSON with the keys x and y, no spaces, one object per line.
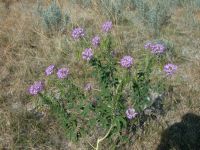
{"x":25,"y":50}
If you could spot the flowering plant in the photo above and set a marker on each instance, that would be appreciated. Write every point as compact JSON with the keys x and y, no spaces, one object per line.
{"x":113,"y":102}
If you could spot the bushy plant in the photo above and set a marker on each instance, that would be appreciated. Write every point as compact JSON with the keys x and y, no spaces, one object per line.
{"x":158,"y":16}
{"x":155,"y":14}
{"x":141,"y":6}
{"x":113,"y":9}
{"x":181,"y":3}
{"x":84,"y":3}
{"x":53,"y":17}
{"x":118,"y":95}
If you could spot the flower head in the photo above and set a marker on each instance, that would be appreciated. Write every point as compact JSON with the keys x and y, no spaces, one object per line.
{"x":157,"y":48}
{"x":63,"y":73}
{"x":36,"y":88}
{"x":96,"y":41}
{"x":88,"y":87}
{"x":147,"y":45}
{"x":78,"y":33}
{"x":126,"y":61}
{"x":170,"y":69}
{"x":49,"y":70}
{"x":106,"y":27}
{"x":87,"y":54}
{"x":130,"y":113}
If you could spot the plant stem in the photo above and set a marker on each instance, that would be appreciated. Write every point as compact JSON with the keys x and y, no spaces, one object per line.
{"x":101,"y":139}
{"x":91,"y":145}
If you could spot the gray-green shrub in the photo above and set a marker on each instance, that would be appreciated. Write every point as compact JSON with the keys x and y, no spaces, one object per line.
{"x":53,"y":17}
{"x":154,"y":14}
{"x":84,"y":3}
{"x":113,"y":9}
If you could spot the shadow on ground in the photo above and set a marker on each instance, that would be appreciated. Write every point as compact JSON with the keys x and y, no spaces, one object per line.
{"x":184,"y":135}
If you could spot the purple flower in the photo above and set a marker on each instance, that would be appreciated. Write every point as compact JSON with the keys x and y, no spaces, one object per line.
{"x":106,"y":27}
{"x":147,"y":45}
{"x":78,"y":33}
{"x":157,"y":48}
{"x":126,"y":61}
{"x":87,"y":54}
{"x":96,"y":41}
{"x":130,"y":113}
{"x":88,"y":87}
{"x":49,"y":70}
{"x":170,"y":69}
{"x":37,"y":87}
{"x":63,"y":73}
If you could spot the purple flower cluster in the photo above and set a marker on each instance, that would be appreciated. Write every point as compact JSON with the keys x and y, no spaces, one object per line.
{"x":36,"y":88}
{"x":49,"y":70}
{"x":96,"y":41}
{"x":170,"y":69}
{"x":126,"y":61}
{"x":156,"y":48}
{"x":107,"y":26}
{"x":87,"y":54}
{"x":78,"y":33}
{"x":63,"y":73}
{"x":131,"y":113}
